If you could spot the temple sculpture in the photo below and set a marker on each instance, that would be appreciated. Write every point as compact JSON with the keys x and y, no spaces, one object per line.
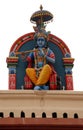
{"x":40,"y":60}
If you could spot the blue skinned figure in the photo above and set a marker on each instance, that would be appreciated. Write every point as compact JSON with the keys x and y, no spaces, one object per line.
{"x":43,"y":59}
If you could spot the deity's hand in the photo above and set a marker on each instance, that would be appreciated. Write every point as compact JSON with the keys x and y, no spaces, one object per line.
{"x":41,"y":52}
{"x":52,"y":60}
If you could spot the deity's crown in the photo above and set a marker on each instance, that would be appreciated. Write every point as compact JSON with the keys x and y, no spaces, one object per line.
{"x":41,"y":34}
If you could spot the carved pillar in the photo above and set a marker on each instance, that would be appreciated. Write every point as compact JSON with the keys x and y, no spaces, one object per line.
{"x":12,"y":62}
{"x":68,"y":64}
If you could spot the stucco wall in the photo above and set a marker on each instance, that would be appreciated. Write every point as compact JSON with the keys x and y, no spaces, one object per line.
{"x":39,"y":102}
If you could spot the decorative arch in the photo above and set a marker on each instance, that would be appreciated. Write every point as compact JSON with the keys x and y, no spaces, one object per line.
{"x":30,"y":36}
{"x":63,"y":65}
{"x":21,"y":40}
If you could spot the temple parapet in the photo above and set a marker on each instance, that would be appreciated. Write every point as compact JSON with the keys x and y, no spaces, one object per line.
{"x":30,"y":103}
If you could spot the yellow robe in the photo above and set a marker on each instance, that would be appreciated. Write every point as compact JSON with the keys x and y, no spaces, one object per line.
{"x":43,"y":76}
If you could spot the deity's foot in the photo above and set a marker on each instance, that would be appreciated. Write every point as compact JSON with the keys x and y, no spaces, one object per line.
{"x":43,"y":87}
{"x":37,"y":88}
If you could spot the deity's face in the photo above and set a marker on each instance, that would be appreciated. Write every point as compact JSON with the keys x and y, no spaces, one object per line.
{"x":41,"y":42}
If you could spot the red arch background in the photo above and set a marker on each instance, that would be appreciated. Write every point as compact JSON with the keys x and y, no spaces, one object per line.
{"x":30,"y":36}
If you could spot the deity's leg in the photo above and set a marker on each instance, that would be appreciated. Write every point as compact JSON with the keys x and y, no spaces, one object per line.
{"x":44,"y":75}
{"x":31,"y":73}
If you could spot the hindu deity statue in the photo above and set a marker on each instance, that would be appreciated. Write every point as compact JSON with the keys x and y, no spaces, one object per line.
{"x":32,"y":63}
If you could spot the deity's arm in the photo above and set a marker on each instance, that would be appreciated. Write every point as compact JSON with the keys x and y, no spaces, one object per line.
{"x":29,"y":59}
{"x":50,"y":56}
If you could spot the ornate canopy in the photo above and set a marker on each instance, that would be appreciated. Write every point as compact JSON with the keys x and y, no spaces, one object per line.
{"x":43,"y":15}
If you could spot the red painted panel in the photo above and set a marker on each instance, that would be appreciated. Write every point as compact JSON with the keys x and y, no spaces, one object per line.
{"x":12,"y":81}
{"x":69,"y":82}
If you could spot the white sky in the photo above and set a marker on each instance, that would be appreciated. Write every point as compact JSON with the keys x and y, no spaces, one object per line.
{"x":67,"y":25}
